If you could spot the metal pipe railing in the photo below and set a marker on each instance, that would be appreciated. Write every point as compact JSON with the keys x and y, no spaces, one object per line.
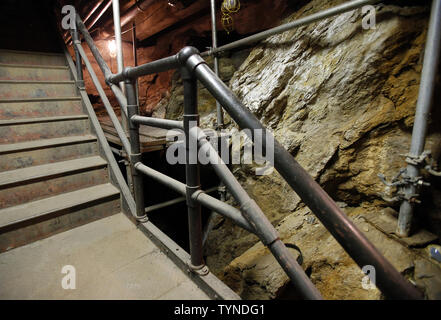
{"x":157,"y":122}
{"x":192,"y":172}
{"x":118,"y":41}
{"x":172,"y":202}
{"x":135,"y":147}
{"x":389,"y":280}
{"x":102,"y":64}
{"x":254,"y":215}
{"x":194,"y":68}
{"x":425,"y":101}
{"x":219,"y":111}
{"x":156,"y":66}
{"x":120,"y":131}
{"x":78,"y":62}
{"x":201,"y":197}
{"x":345,"y":7}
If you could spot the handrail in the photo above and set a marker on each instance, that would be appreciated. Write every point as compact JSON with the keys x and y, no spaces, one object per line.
{"x":119,"y":130}
{"x":122,"y":100}
{"x":194,"y":68}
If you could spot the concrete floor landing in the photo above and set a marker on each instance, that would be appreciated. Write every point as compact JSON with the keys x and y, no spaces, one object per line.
{"x":112,"y":260}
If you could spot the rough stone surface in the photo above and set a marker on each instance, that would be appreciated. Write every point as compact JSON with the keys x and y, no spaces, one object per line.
{"x":342,"y":100}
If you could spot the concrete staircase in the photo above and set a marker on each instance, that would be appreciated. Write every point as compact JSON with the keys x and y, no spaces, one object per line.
{"x":51,"y":175}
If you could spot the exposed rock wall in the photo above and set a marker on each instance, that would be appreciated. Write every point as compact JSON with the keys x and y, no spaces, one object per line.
{"x":342,"y":100}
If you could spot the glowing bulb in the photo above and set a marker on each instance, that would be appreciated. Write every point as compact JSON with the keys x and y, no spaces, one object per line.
{"x":112,"y":48}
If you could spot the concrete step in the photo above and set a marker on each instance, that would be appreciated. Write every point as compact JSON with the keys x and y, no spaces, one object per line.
{"x":38,"y":152}
{"x":24,"y":89}
{"x":32,"y":58}
{"x":11,"y":122}
{"x":13,"y":131}
{"x":40,"y":219}
{"x":34,"y":72}
{"x":37,"y":108}
{"x":37,"y":182}
{"x":112,"y":258}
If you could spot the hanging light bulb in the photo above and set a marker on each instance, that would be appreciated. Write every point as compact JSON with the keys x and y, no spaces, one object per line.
{"x":112,"y":48}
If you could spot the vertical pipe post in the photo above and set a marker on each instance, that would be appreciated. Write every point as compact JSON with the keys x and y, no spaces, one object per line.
{"x":78,"y":60}
{"x":135,"y":156}
{"x":192,"y":174}
{"x":135,"y":58}
{"x":220,"y":115}
{"x":118,"y":42}
{"x":425,"y":99}
{"x":120,"y":66}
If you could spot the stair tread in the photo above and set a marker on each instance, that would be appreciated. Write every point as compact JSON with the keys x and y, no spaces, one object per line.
{"x":42,"y":143}
{"x":50,"y":169}
{"x":42,"y":119}
{"x":31,"y":66}
{"x":60,"y":98}
{"x":34,"y":209}
{"x":32,"y":52}
{"x":38,"y":81}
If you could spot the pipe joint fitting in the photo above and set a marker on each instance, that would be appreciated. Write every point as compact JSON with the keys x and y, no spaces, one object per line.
{"x":126,"y":74}
{"x":186,"y":53}
{"x":190,"y":190}
{"x":195,"y":195}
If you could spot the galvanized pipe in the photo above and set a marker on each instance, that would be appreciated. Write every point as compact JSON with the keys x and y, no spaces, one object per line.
{"x":171,"y":202}
{"x":78,"y":62}
{"x":102,"y":64}
{"x":135,"y":155}
{"x":157,"y":122}
{"x":156,"y":66}
{"x":119,"y":130}
{"x":219,"y":111}
{"x":118,"y":41}
{"x":130,"y":13}
{"x":192,"y":174}
{"x":201,"y":197}
{"x":425,"y":101}
{"x":389,"y":280}
{"x":135,"y":57}
{"x":100,"y":14}
{"x":257,"y":219}
{"x":85,"y":19}
{"x":96,"y":54}
{"x":93,"y":10}
{"x":345,"y":7}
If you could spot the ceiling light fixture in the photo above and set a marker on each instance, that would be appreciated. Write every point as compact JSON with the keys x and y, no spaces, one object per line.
{"x":112,"y":48}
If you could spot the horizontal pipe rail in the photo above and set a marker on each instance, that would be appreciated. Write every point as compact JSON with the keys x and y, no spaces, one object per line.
{"x":172,"y":202}
{"x":345,"y":7}
{"x":389,"y":280}
{"x":157,"y":122}
{"x":157,"y":66}
{"x":201,"y":197}
{"x":119,"y":130}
